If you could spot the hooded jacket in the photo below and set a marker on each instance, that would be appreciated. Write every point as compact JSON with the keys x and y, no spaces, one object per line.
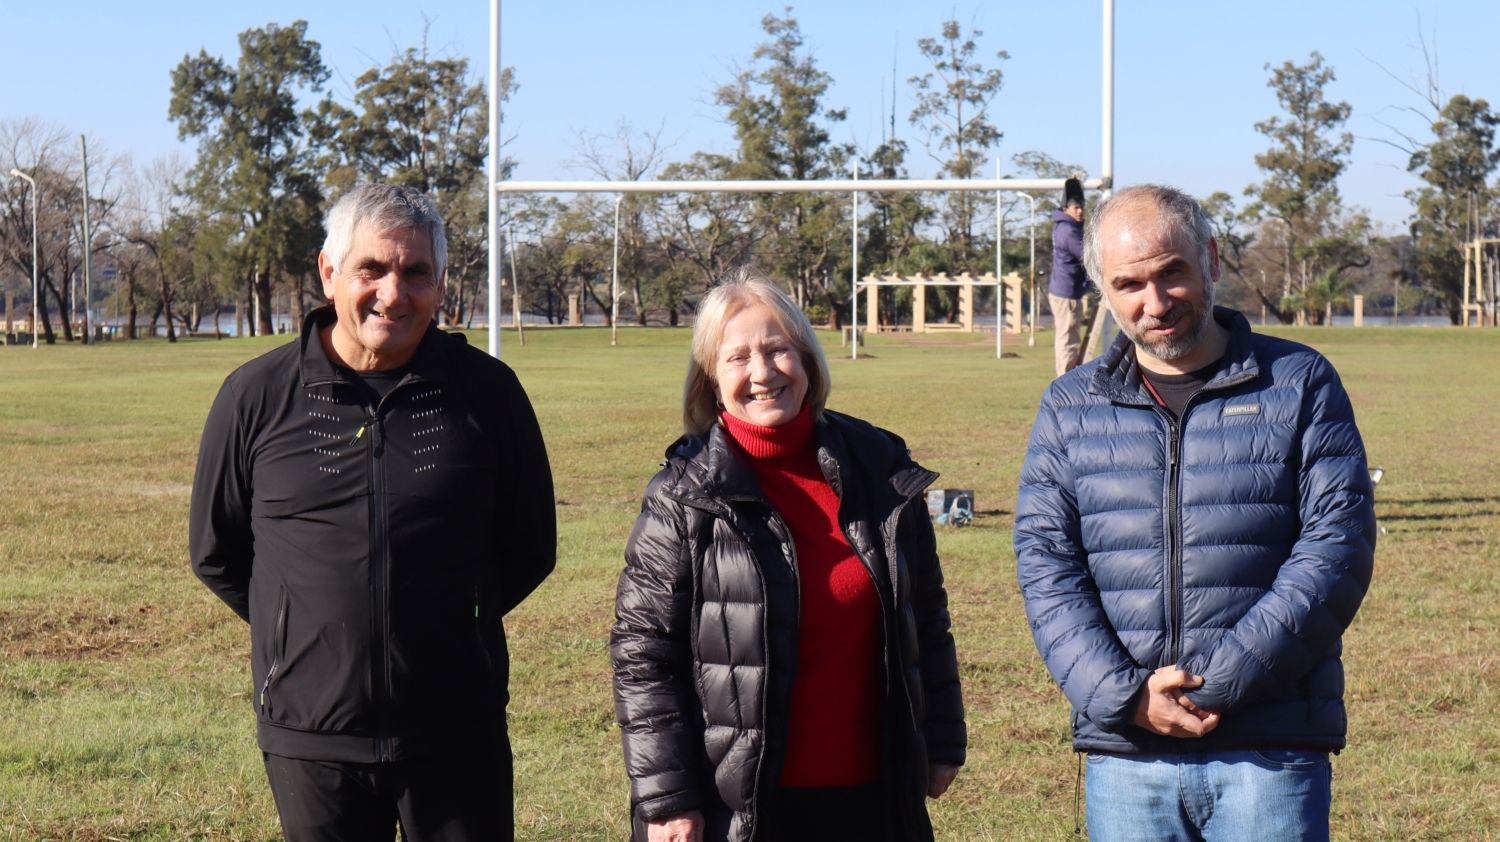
{"x":1069,"y":280}
{"x":373,"y":547}
{"x":704,"y":644}
{"x":1236,"y":542}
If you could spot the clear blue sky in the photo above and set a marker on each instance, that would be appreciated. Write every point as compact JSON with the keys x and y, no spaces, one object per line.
{"x":1190,"y":77}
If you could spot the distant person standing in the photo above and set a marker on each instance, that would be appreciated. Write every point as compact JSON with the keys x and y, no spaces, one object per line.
{"x":1069,"y":281}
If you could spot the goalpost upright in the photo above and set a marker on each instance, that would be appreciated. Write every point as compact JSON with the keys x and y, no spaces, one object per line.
{"x":852,"y":185}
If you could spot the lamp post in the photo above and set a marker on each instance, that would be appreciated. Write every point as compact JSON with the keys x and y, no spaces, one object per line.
{"x":854,"y":264}
{"x":36,"y":301}
{"x":614,"y":283}
{"x":1031,"y":224}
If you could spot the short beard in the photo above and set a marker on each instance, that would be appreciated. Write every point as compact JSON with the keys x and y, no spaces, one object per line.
{"x":1173,"y":347}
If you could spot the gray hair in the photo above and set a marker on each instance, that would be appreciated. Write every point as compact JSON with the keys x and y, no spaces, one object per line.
{"x":741,"y":290}
{"x":385,"y":207}
{"x":1180,"y":215}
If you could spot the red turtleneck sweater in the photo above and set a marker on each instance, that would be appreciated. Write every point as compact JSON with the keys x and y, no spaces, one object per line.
{"x":833,"y":731}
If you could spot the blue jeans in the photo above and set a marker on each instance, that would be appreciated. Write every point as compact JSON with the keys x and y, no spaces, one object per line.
{"x":1222,"y":795}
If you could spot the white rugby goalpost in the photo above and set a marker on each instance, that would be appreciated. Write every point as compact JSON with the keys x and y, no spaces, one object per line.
{"x":854,"y":186}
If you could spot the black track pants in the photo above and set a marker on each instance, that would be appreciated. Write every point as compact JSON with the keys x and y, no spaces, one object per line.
{"x":462,"y":796}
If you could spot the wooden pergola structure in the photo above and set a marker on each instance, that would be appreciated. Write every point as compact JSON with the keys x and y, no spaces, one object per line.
{"x":1479,"y":296}
{"x":1010,"y":286}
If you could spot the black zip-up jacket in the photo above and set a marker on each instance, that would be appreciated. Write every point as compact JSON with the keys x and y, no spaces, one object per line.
{"x":704,"y":644}
{"x":373,"y":548}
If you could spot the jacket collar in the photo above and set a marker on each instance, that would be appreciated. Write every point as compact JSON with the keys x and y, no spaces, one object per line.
{"x":1118,"y":376}
{"x":712,"y":474}
{"x":429,"y":363}
{"x":728,"y":477}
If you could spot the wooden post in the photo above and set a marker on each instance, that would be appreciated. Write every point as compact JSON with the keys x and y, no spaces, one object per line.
{"x":1467,"y":248}
{"x":1101,"y":333}
{"x":919,"y":304}
{"x":574,"y":317}
{"x":1012,"y":290}
{"x":1359,"y":311}
{"x":872,"y":307}
{"x":966,"y":306}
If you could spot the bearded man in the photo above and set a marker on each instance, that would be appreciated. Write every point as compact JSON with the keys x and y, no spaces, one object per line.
{"x":1194,"y":532}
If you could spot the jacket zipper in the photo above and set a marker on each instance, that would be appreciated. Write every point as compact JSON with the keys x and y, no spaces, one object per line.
{"x":1174,"y":541}
{"x":484,"y":649}
{"x":784,"y":535}
{"x":280,"y":642}
{"x":1174,"y":505}
{"x":891,"y":525}
{"x":381,"y":580}
{"x":380,"y":585}
{"x":1174,"y":526}
{"x":885,"y":611}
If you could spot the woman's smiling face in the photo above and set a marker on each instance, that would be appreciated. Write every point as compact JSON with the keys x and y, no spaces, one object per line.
{"x":758,"y":370}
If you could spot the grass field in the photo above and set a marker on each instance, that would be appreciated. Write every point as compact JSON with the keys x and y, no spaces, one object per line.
{"x":124,"y":684}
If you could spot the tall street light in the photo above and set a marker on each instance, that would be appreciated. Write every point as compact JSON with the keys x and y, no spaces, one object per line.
{"x":1031,"y":224}
{"x":36,"y":300}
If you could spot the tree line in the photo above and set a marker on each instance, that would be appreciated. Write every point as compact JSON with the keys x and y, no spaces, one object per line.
{"x":239,"y":227}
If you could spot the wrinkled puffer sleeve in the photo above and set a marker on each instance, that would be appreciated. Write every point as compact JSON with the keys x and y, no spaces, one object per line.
{"x":1072,"y":632}
{"x":943,"y":726}
{"x":1317,"y":591}
{"x":650,"y":651}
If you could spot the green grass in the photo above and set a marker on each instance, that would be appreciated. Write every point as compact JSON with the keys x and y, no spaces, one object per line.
{"x":124,"y":684}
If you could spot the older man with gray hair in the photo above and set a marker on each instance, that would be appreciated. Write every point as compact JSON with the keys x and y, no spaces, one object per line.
{"x":373,"y":498}
{"x":1194,"y":533}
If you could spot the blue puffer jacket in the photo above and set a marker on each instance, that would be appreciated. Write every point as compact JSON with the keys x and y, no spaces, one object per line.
{"x":1237,"y":542}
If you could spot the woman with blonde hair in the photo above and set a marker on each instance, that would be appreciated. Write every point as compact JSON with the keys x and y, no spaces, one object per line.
{"x":783,"y":666}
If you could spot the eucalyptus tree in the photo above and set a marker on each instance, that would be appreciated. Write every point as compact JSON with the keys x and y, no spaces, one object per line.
{"x":953,"y":112}
{"x":781,"y":125}
{"x":1319,"y":238}
{"x":1448,"y":209}
{"x":421,"y":120}
{"x":255,"y":164}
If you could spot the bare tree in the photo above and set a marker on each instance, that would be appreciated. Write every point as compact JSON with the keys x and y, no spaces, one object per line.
{"x":629,"y":156}
{"x":51,"y":156}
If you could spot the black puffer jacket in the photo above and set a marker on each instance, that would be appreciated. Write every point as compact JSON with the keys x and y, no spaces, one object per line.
{"x":705,"y":640}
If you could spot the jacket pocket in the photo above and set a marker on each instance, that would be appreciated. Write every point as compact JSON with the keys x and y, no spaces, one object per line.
{"x":480,"y":640}
{"x":278,"y":651}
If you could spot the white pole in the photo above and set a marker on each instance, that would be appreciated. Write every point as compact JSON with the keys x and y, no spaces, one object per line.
{"x":1031,"y":229}
{"x":36,"y":300}
{"x":492,"y":220}
{"x":1107,"y":159}
{"x":36,"y":288}
{"x":88,"y":247}
{"x":999,"y":281}
{"x":614,"y":284}
{"x":854,"y":274}
{"x":845,"y":185}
